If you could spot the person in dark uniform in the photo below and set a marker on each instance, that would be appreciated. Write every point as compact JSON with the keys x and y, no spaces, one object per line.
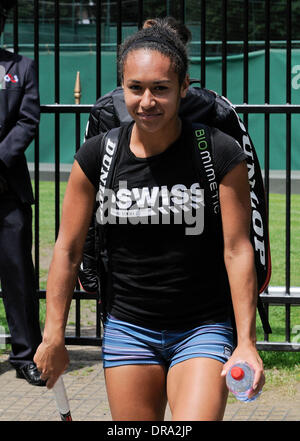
{"x":19,"y":118}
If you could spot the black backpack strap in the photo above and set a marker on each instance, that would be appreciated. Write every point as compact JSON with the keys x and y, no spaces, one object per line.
{"x":229,"y":121}
{"x":263,"y":316}
{"x":204,"y":160}
{"x":109,"y":154}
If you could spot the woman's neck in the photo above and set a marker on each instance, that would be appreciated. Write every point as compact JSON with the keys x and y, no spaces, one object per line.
{"x":144,"y":144}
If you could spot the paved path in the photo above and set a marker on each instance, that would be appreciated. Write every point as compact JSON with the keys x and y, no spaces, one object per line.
{"x":84,"y":382}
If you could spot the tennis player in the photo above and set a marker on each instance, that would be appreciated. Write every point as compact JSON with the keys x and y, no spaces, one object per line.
{"x":168,"y":335}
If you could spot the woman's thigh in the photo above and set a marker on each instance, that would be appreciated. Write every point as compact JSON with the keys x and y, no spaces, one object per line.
{"x":136,"y":392}
{"x":196,"y":391}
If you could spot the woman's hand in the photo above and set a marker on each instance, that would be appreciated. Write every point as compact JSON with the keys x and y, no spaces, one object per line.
{"x":248,"y":353}
{"x":51,"y":360}
{"x":51,"y":356}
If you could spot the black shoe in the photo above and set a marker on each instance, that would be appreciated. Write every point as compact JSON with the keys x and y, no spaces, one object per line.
{"x":30,"y":373}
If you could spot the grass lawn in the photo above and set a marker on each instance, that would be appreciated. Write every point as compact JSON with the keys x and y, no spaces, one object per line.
{"x":287,"y":363}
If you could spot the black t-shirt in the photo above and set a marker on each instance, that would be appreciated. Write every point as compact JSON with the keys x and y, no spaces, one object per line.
{"x":161,"y":274}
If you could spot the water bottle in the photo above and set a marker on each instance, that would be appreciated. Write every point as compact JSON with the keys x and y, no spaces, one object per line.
{"x":239,"y":381}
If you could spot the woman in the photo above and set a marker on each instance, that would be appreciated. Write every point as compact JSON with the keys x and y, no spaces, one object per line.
{"x":168,"y":335}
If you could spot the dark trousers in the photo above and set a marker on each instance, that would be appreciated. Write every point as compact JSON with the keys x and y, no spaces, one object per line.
{"x":17,"y":279}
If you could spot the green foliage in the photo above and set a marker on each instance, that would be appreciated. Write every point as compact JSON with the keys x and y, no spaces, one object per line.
{"x":77,"y":20}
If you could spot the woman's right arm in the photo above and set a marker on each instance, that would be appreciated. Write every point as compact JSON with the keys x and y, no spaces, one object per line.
{"x":51,"y":356}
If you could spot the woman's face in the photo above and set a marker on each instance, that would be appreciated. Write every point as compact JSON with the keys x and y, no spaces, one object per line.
{"x":151,"y":90}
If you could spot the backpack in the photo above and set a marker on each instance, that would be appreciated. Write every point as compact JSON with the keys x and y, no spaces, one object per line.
{"x":203,"y":109}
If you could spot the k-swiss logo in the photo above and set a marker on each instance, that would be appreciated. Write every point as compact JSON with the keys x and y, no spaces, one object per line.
{"x":155,"y":205}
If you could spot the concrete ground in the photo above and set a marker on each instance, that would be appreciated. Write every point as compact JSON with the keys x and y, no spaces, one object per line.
{"x":84,"y":381}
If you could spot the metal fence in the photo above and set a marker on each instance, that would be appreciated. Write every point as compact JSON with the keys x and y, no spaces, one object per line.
{"x":285,"y":296}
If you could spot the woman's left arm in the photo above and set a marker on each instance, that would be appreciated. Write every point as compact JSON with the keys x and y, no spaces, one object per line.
{"x":239,"y":260}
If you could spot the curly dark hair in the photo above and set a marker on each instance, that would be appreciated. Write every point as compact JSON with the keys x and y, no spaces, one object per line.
{"x":165,"y":35}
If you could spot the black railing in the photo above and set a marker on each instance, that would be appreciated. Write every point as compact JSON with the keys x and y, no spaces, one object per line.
{"x":286,"y":296}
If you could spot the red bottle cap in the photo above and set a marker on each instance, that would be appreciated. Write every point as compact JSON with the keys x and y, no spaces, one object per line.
{"x":237,"y":373}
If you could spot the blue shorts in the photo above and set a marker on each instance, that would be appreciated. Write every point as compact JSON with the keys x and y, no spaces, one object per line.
{"x":125,"y":343}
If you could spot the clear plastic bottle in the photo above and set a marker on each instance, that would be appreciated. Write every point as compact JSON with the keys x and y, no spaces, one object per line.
{"x":239,"y":381}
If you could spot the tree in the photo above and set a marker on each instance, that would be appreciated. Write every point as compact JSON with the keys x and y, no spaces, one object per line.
{"x":257,"y":26}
